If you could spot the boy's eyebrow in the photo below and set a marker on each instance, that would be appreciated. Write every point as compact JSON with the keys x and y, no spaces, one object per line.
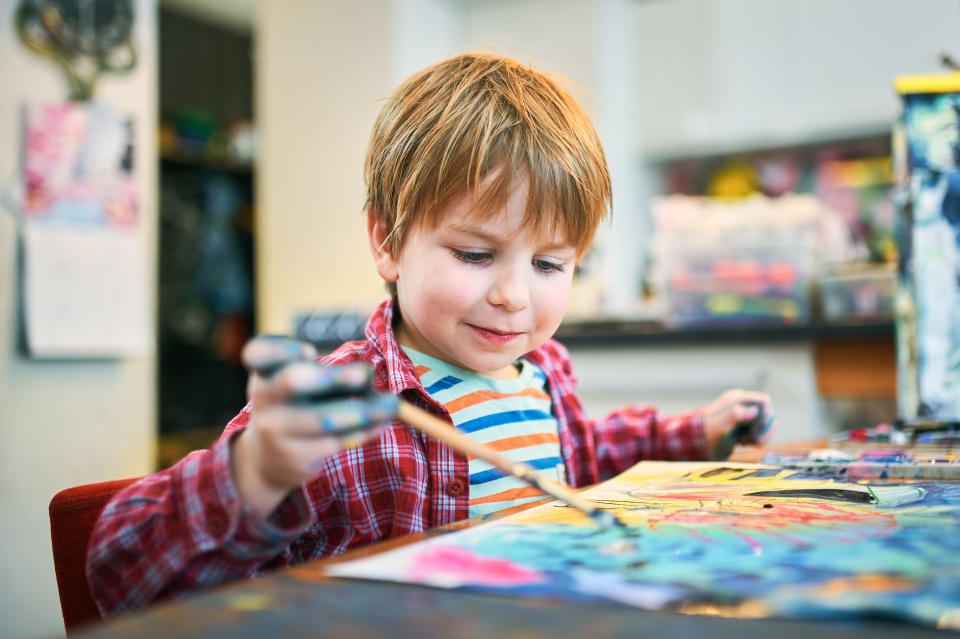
{"x":478,"y":231}
{"x":558,"y":247}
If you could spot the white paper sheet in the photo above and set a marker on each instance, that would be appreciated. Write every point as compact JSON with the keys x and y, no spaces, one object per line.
{"x":83,"y":292}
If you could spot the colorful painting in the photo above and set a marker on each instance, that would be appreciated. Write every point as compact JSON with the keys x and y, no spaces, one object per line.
{"x":78,"y":166}
{"x":927,"y":154}
{"x":742,"y":540}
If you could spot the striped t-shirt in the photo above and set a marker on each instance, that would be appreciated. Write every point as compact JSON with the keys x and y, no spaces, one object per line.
{"x":513,"y":416}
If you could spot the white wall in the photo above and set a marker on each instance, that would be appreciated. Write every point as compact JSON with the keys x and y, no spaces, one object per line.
{"x":723,"y":75}
{"x":64,"y":423}
{"x":320,"y":68}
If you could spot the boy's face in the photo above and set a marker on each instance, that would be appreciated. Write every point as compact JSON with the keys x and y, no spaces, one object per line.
{"x":480,"y":293}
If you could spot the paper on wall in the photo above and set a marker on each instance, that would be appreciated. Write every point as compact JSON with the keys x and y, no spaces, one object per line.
{"x":84,"y":293}
{"x":84,"y":278}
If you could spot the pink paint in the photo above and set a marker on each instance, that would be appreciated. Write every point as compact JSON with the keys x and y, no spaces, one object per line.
{"x":467,"y":568}
{"x":753,"y":543}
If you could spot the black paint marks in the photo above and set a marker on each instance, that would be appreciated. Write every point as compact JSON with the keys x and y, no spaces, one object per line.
{"x":830,"y":494}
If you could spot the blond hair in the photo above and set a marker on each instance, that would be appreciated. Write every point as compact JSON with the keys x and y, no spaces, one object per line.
{"x":483,"y":118}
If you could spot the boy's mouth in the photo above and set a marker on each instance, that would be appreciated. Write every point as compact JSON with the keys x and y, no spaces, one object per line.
{"x":493,"y":335}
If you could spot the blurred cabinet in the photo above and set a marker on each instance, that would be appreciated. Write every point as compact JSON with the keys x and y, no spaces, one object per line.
{"x":206,"y":269}
{"x":726,"y":75}
{"x":205,"y":293}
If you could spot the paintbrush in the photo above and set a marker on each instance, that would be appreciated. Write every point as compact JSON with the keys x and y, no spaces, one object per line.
{"x":349,"y":405}
{"x":443,"y":431}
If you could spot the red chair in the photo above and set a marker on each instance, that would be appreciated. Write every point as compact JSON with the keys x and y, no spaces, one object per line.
{"x":73,"y":512}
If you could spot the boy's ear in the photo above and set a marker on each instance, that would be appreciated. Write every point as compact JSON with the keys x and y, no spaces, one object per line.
{"x":377,"y":234}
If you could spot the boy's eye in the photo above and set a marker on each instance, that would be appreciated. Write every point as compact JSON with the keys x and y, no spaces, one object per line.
{"x":472,"y":257}
{"x":546,"y":266}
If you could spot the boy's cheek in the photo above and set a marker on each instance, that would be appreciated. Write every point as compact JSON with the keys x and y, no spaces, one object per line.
{"x":441,"y":293}
{"x":552,"y":304}
{"x":558,"y":296}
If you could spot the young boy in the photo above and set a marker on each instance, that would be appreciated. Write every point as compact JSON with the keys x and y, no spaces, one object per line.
{"x":486,"y":183}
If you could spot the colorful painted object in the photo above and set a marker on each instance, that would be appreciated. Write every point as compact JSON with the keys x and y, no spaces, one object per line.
{"x":917,"y":462}
{"x":927,"y":166}
{"x":737,"y":540}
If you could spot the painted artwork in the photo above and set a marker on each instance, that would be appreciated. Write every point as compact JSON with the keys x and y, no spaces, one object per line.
{"x":927,"y":155}
{"x":78,"y":166}
{"x":742,"y":540}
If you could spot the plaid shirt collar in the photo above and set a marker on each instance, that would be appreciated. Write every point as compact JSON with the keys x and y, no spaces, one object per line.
{"x":398,"y":367}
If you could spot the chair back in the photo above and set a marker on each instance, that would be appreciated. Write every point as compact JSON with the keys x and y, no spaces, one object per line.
{"x":73,"y":513}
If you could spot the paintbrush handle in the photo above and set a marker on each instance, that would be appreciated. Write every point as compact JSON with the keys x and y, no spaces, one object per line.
{"x":443,"y":431}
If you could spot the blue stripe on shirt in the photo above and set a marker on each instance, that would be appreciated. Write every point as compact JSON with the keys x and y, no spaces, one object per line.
{"x":505,"y":417}
{"x":495,"y":473}
{"x":442,"y":384}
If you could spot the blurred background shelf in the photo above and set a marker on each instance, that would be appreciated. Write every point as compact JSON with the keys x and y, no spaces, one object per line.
{"x":623,"y":333}
{"x":185,"y":161}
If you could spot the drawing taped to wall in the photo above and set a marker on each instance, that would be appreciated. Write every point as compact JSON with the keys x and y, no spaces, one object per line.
{"x":84,"y":252}
{"x":708,"y":538}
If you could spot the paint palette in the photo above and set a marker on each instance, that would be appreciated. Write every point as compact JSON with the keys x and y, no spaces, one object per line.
{"x":871,"y":462}
{"x":708,"y":538}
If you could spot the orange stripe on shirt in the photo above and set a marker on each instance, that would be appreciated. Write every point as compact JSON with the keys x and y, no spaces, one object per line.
{"x":509,"y":495}
{"x":420,"y":370}
{"x":476,"y":397}
{"x":533,"y":439}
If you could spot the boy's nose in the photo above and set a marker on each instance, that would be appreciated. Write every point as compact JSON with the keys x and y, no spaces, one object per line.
{"x":511,"y":291}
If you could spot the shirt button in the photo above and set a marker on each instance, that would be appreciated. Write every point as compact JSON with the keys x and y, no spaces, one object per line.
{"x":455,"y":487}
{"x":217,"y":523}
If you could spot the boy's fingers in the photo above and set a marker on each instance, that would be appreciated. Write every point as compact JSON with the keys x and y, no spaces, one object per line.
{"x":266,"y":354}
{"x":744,"y":411}
{"x":755,"y":419}
{"x":274,"y":389}
{"x":310,"y":384}
{"x":349,"y":416}
{"x":334,"y":419}
{"x":284,"y":422}
{"x":307,"y":383}
{"x":769,"y":425}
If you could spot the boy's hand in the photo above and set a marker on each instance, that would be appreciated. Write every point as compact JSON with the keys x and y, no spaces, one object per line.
{"x":300,"y":412}
{"x":738,"y":417}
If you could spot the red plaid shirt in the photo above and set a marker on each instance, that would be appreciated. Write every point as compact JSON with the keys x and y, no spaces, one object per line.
{"x":186,"y":527}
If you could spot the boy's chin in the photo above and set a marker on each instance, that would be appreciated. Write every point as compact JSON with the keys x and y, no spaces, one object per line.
{"x":497,"y":366}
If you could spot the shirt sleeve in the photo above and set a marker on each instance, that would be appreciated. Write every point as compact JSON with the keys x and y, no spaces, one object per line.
{"x":625,"y":436}
{"x":635,"y":433}
{"x":185,"y":528}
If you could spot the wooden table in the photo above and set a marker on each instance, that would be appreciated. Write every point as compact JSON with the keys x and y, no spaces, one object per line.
{"x":303,"y":602}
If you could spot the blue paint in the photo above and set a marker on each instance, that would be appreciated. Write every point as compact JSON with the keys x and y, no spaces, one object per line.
{"x":887,"y":456}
